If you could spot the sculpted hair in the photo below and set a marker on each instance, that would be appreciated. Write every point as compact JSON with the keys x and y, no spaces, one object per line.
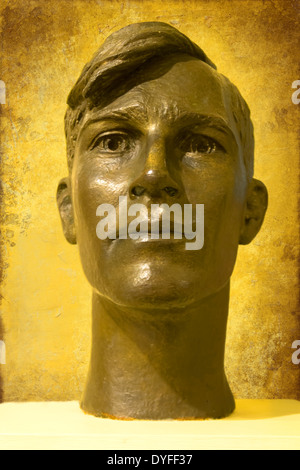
{"x":117,"y":66}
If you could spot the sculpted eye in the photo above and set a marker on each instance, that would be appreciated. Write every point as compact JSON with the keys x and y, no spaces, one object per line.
{"x":197,"y":145}
{"x":117,"y":142}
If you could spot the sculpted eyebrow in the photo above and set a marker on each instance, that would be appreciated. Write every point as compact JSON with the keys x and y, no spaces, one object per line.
{"x":137,"y":113}
{"x":132,"y":113}
{"x":205,"y":120}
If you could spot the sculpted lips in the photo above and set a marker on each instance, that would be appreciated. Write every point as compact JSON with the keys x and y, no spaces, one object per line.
{"x":157,"y":222}
{"x":155,"y":231}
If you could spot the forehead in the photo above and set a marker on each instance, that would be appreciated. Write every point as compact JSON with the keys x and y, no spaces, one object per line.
{"x":188,"y":87}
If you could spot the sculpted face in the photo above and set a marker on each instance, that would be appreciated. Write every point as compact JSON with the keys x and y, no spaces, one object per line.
{"x":157,"y":131}
{"x":173,"y":140}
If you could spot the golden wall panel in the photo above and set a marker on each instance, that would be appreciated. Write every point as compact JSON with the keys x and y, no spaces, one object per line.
{"x":45,"y":319}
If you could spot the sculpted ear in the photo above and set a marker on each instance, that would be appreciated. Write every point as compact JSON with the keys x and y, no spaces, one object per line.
{"x":256,"y":206}
{"x":65,"y":207}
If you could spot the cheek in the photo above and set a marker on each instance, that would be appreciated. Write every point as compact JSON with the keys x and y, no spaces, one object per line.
{"x":93,"y":186}
{"x":211,"y":184}
{"x":222,"y":191}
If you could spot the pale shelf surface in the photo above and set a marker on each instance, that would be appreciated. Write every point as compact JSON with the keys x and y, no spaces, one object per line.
{"x":256,"y":424}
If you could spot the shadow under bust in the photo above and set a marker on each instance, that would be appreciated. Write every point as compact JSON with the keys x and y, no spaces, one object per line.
{"x":150,"y":119}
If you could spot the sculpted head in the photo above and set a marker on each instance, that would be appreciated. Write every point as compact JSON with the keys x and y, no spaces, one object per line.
{"x":151,"y":122}
{"x":150,"y":118}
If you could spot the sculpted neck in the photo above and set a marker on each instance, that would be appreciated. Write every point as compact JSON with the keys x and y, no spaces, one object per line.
{"x":159,"y":365}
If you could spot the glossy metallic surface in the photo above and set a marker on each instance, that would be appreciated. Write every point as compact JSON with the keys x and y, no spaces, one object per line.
{"x":160,"y":311}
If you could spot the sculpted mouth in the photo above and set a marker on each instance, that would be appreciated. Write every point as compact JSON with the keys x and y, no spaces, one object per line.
{"x":163,"y":223}
{"x":174,"y":231}
{"x":161,"y":236}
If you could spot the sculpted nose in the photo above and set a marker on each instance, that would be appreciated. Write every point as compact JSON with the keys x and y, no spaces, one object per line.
{"x":155,"y":184}
{"x":155,"y":181}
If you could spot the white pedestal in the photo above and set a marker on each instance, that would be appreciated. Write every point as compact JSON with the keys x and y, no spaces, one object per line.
{"x":256,"y":424}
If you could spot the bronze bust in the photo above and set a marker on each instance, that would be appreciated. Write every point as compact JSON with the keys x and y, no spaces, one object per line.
{"x":152,"y":122}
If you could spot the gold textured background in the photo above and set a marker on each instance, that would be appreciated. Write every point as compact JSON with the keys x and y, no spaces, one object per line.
{"x":45,"y":319}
